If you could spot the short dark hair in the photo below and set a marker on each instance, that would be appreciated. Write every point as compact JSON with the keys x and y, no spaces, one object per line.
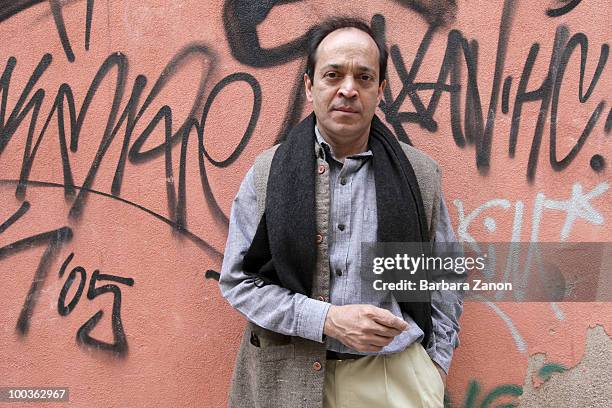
{"x":336,"y":23}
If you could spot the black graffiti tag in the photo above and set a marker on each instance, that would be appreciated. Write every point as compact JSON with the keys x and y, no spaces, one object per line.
{"x":54,"y":240}
{"x":119,"y":345}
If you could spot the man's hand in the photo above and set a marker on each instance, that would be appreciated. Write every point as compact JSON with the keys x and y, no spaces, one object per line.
{"x":364,"y":328}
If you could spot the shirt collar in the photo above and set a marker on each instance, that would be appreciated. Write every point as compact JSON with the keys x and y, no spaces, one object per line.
{"x":326,"y":148}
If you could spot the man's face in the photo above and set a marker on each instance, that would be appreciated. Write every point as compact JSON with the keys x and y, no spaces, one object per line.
{"x":344,"y":89}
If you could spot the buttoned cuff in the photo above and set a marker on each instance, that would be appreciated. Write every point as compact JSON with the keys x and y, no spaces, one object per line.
{"x":311,"y":319}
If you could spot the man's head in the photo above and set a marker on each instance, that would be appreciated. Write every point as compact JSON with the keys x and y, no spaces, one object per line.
{"x":345,"y":77}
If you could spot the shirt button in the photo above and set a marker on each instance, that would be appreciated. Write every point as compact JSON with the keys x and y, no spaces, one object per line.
{"x":321,"y":169}
{"x":339,"y":272}
{"x":319,"y":238}
{"x":343,"y":181}
{"x":341,"y":227}
{"x":316,"y":366}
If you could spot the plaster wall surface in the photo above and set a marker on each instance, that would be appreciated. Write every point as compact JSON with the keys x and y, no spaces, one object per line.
{"x":127,"y":127}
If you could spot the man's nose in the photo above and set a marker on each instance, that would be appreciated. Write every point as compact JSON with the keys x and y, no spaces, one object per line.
{"x":347,"y":87}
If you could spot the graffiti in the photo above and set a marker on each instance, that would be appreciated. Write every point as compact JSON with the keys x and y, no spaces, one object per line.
{"x":58,"y":17}
{"x":119,"y":346}
{"x":571,"y":4}
{"x":597,"y":161}
{"x":483,"y":89}
{"x":54,"y":240}
{"x":508,"y":392}
{"x":245,"y":47}
{"x":184,"y":232}
{"x":9,"y":8}
{"x":436,"y":13}
{"x":210,"y":274}
{"x":242,"y":17}
{"x":519,"y":341}
{"x":473,"y":108}
{"x":578,"y":206}
{"x":242,"y":37}
{"x":476,"y":130}
{"x":547,"y":370}
{"x":88,"y":22}
{"x":129,"y":117}
{"x":498,"y":392}
{"x":30,"y":102}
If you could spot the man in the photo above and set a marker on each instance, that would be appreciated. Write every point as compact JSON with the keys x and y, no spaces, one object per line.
{"x":293,"y":252}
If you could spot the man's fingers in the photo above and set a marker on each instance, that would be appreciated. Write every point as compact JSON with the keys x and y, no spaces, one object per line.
{"x":363,"y":327}
{"x":384,"y":331}
{"x":388,"y":319}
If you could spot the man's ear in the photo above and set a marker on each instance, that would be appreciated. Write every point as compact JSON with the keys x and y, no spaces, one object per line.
{"x":381,"y":89}
{"x":308,"y":87}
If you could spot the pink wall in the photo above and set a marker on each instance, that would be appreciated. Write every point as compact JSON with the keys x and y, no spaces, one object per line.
{"x":164,"y":223}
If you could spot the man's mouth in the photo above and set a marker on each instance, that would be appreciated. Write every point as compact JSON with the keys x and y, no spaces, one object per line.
{"x":346,"y":109}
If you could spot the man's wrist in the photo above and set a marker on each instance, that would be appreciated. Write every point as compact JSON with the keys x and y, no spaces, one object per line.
{"x":328,"y":326}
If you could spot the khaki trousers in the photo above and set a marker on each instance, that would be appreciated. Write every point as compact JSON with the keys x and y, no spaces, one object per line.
{"x":408,"y":379}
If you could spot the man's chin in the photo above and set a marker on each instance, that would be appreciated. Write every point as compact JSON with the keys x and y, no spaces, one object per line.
{"x":346,"y":129}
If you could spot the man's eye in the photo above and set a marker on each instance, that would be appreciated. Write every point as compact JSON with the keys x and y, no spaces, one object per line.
{"x":331,"y":75}
{"x":366,"y":77}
